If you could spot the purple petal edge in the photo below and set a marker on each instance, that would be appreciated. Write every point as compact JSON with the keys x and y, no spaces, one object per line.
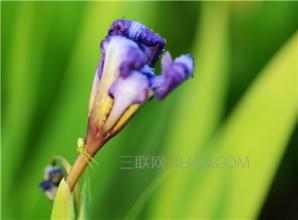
{"x":173,"y":74}
{"x":151,"y":43}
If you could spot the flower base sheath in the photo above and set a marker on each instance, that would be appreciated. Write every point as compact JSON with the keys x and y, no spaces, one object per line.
{"x":125,"y":80}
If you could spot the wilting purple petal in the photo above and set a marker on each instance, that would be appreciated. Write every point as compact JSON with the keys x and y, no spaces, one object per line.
{"x":173,"y":74}
{"x":148,"y":71}
{"x":166,"y":61}
{"x":122,"y":56}
{"x":134,"y":60}
{"x":125,"y":91}
{"x":135,"y":87}
{"x":151,"y":43}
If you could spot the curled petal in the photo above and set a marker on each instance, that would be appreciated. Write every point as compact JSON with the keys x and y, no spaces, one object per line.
{"x":173,"y":74}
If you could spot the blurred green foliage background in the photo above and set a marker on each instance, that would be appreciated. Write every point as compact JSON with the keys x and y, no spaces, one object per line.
{"x":242,"y":102}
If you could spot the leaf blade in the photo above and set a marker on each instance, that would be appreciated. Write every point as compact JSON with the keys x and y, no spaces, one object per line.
{"x":63,"y":207}
{"x":260,"y":127}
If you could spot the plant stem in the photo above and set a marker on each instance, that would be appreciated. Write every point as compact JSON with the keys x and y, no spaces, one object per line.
{"x":82,"y":161}
{"x":76,"y":171}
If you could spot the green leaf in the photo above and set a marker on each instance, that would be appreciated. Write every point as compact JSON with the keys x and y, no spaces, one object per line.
{"x":85,"y":201}
{"x":22,"y":98}
{"x":63,"y":207}
{"x":259,"y":128}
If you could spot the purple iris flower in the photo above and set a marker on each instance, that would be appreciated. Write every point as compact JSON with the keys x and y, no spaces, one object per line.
{"x":125,"y":78}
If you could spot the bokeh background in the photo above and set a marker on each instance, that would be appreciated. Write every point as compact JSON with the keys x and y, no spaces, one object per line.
{"x":242,"y":103}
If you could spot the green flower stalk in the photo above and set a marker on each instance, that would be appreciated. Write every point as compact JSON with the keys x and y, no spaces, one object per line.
{"x":123,"y":82}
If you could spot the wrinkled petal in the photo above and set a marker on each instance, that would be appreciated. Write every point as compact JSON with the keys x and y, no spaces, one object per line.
{"x":151,"y":43}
